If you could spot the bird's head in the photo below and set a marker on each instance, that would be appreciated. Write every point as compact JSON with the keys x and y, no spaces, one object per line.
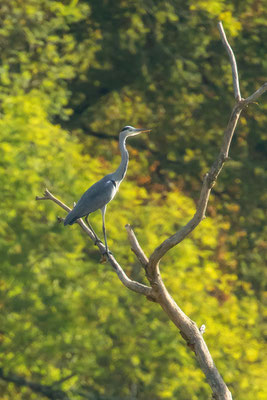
{"x":131,"y":131}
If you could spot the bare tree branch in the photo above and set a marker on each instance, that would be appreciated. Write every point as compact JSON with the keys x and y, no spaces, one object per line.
{"x":194,"y":338}
{"x":62,"y":380}
{"x":188,"y":328}
{"x":208,"y":182}
{"x":158,"y":292}
{"x":45,"y":390}
{"x":255,"y":95}
{"x":232,"y":62}
{"x":130,"y":284}
{"x":135,"y":246}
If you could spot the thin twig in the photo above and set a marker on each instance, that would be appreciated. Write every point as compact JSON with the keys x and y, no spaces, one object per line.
{"x":62,"y":380}
{"x":255,"y":95}
{"x":135,"y":246}
{"x":232,"y":61}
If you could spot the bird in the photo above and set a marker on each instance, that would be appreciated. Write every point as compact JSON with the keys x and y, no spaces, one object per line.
{"x":102,"y":192}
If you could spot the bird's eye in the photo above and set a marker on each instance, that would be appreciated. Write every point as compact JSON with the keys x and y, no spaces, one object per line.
{"x":126,"y":128}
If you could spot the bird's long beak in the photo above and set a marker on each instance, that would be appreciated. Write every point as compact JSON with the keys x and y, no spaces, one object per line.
{"x":142,"y":130}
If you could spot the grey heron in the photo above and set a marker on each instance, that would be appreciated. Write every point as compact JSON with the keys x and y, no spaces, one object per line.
{"x":102,"y":192}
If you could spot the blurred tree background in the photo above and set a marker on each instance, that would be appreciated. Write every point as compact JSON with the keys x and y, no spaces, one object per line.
{"x":72,"y":73}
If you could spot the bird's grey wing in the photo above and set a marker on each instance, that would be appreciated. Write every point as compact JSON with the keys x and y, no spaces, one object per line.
{"x":96,"y":197}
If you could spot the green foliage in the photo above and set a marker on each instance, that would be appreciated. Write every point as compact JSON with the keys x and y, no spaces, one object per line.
{"x":72,"y":71}
{"x":64,"y":313}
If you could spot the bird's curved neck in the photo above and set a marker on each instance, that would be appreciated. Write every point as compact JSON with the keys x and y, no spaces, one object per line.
{"x":121,"y":171}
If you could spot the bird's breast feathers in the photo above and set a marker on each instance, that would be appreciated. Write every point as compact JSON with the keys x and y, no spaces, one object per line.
{"x":110,"y":189}
{"x":113,"y":183}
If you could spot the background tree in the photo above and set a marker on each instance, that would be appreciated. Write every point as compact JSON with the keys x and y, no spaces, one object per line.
{"x":72,"y":73}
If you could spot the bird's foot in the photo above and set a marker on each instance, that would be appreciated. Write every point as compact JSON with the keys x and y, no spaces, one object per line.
{"x":105,"y":256}
{"x":97,"y":241}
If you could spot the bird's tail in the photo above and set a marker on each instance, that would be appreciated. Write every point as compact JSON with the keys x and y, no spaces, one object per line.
{"x":70,"y":218}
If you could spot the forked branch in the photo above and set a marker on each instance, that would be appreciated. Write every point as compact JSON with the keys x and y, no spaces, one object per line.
{"x":158,"y":292}
{"x":211,"y":177}
{"x":188,"y":328}
{"x":129,"y":283}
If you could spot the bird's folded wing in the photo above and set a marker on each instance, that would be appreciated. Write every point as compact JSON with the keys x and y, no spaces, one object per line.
{"x":96,"y":197}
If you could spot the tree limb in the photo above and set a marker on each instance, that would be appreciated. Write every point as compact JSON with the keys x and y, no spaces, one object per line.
{"x":255,"y":95}
{"x":135,"y":246}
{"x":158,"y":292}
{"x":45,"y":390}
{"x":232,"y":61}
{"x":129,"y":283}
{"x":208,"y":182}
{"x":188,"y":328}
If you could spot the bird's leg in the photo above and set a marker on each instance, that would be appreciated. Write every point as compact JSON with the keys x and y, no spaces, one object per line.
{"x":103,"y":210}
{"x":97,"y":240}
